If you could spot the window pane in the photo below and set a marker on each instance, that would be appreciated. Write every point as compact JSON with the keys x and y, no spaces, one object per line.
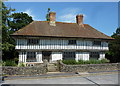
{"x":94,"y":55}
{"x":33,"y":41}
{"x":71,"y":42}
{"x":68,"y":55}
{"x":31,"y":57}
{"x":98,"y":43}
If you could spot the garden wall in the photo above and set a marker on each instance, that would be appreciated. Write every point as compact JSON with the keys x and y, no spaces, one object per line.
{"x":88,"y":67}
{"x":34,"y":70}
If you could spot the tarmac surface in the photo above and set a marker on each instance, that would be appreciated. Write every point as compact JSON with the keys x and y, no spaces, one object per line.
{"x":93,"y":79}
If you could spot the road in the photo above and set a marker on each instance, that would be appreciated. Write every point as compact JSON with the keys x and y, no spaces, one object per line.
{"x":97,"y":79}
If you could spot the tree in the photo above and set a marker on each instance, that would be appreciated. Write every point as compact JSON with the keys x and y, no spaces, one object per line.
{"x":117,"y":33}
{"x":10,"y":24}
{"x":7,"y":44}
{"x":19,"y":20}
{"x":114,"y":47}
{"x":47,"y":15}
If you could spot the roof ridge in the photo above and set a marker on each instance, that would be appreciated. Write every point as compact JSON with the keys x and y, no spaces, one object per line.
{"x":62,"y":22}
{"x":59,"y":22}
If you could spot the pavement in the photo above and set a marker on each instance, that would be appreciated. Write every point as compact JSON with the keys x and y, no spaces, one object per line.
{"x":93,"y":78}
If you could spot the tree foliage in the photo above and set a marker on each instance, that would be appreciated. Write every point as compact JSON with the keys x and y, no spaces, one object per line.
{"x":11,"y":23}
{"x":47,"y":15}
{"x":19,"y":20}
{"x":114,"y":47}
{"x":7,"y":42}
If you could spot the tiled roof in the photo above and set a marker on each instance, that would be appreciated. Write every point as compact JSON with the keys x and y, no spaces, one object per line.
{"x":43,"y":28}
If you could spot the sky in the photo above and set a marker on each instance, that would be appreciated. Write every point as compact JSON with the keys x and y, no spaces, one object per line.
{"x":102,"y":16}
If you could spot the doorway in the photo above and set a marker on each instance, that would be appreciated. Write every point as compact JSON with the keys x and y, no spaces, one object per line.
{"x":46,"y":55}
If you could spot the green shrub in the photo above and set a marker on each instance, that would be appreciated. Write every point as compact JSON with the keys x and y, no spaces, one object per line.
{"x":69,"y":61}
{"x":10,"y":63}
{"x":21,"y":65}
{"x":81,"y":62}
{"x":105,"y":60}
{"x":2,"y":63}
{"x":91,"y":61}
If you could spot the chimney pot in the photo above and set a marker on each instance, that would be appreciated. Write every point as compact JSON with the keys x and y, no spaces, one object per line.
{"x":79,"y":19}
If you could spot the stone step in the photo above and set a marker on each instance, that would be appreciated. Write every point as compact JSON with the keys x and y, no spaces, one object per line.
{"x":51,"y":64}
{"x":52,"y":68}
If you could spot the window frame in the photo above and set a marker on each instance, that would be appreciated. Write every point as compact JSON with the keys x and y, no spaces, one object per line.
{"x":94,"y":55}
{"x":32,"y":41}
{"x":31,"y":57}
{"x":97,"y":43}
{"x":72,"y":42}
{"x":69,"y":55}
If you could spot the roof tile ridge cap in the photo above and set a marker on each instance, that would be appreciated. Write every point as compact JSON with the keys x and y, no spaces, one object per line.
{"x":65,"y":22}
{"x":42,"y":21}
{"x":99,"y":31}
{"x":24,"y":27}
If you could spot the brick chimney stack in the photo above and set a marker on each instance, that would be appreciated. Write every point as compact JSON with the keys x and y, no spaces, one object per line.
{"x":52,"y":16}
{"x":79,"y":19}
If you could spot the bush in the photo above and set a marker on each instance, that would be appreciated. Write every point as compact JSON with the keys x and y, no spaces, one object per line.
{"x":105,"y":60}
{"x":10,"y":63}
{"x":69,"y":61}
{"x":21,"y":65}
{"x":81,"y":62}
{"x":2,"y":63}
{"x":91,"y":61}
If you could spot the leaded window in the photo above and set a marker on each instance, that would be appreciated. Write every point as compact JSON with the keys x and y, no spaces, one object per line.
{"x":97,"y":43}
{"x":68,"y":55}
{"x":72,"y":42}
{"x":94,"y":55}
{"x":32,"y":41}
{"x":31,"y":57}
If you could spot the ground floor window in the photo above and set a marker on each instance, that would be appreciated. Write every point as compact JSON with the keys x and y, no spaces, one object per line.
{"x":94,"y":55}
{"x":68,"y":55}
{"x":31,"y":57}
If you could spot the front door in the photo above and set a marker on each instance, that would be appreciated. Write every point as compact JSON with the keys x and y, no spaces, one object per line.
{"x":46,"y":55}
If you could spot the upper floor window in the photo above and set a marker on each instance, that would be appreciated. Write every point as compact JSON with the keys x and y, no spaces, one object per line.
{"x":33,"y":41}
{"x":72,"y":42}
{"x":97,"y":43}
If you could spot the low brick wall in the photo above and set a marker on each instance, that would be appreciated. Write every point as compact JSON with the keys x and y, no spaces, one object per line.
{"x":88,"y":67}
{"x":35,"y":70}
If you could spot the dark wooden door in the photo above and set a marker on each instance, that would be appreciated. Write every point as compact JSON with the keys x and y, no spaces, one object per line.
{"x":46,"y":55}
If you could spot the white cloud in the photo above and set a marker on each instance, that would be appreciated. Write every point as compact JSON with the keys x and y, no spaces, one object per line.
{"x":29,"y":12}
{"x":69,"y":15}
